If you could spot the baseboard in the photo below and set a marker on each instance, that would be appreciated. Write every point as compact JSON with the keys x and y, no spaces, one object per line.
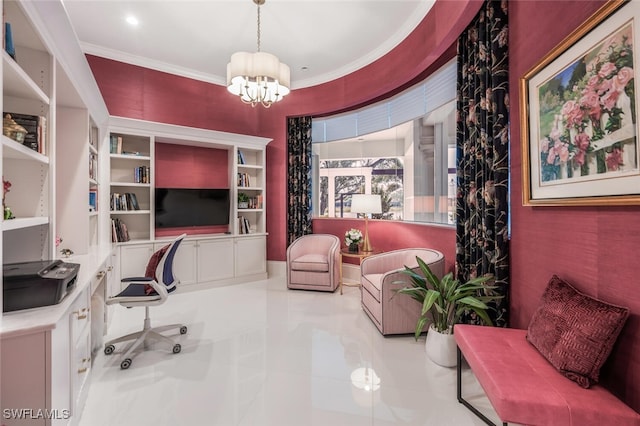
{"x":276,"y":268}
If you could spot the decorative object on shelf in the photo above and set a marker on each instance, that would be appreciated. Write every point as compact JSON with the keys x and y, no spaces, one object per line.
{"x":66,"y":252}
{"x":243,"y":200}
{"x":13,"y":130}
{"x":352,"y":238}
{"x":366,"y":204}
{"x":6,"y":209}
{"x":258,"y":78}
{"x":58,"y":241}
{"x":443,"y":302}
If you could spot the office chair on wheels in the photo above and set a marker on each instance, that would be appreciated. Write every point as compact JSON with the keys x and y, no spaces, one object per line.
{"x":149,"y":291}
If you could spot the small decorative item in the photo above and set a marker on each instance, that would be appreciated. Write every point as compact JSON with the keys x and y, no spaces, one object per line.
{"x":58,"y":241}
{"x":6,"y":209}
{"x":66,"y":252}
{"x":13,"y":130}
{"x":352,"y":238}
{"x":243,"y":200}
{"x":8,"y":41}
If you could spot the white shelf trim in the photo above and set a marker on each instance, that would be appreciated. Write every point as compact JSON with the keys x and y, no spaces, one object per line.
{"x":13,"y":149}
{"x":130,"y":211}
{"x":24,"y":222}
{"x":17,"y":83}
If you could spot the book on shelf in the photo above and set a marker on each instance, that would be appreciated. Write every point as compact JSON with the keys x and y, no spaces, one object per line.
{"x":36,"y":127}
{"x":8,"y":40}
{"x":142,"y":174}
{"x":244,"y":179}
{"x":119,"y":231}
{"x":124,"y":202}
{"x":93,"y":166}
{"x":115,"y":144}
{"x":93,"y":200}
{"x":244,"y":226}
{"x":240,"y":157}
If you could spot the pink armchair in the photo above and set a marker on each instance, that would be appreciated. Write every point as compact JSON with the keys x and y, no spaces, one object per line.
{"x":381,"y":275}
{"x":313,"y":263}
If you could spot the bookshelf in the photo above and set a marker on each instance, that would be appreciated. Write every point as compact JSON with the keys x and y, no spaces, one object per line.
{"x":250,"y":182}
{"x":50,"y":80}
{"x":131,"y":195}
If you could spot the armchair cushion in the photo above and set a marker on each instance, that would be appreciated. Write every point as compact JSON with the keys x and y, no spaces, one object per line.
{"x":311,"y":262}
{"x":575,"y":332}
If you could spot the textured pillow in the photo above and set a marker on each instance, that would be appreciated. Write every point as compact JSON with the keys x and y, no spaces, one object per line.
{"x":151,"y":268}
{"x":575,"y":332}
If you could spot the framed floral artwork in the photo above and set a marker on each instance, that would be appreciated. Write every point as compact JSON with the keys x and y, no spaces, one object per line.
{"x":578,"y":115}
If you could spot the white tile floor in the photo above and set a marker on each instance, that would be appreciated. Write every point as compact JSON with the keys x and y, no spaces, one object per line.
{"x":259,"y":354}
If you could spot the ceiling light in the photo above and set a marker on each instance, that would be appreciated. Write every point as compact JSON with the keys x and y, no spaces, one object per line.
{"x":258,"y":78}
{"x":132,"y":20}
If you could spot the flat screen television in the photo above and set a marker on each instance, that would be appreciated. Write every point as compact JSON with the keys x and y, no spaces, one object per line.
{"x":185,"y":207}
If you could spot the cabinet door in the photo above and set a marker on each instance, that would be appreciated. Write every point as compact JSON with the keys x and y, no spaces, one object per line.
{"x":134,"y":259}
{"x":251,"y":253}
{"x":215,"y":260}
{"x":185,"y":263}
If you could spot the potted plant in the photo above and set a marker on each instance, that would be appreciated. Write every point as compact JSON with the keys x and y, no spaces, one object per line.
{"x":243,"y":200}
{"x":443,"y":302}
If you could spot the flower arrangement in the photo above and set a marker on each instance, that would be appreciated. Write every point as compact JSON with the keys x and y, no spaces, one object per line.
{"x":6,"y":209}
{"x":599,"y":104}
{"x":352,"y":237}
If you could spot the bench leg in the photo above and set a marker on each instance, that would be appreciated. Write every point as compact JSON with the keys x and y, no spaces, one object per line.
{"x":463,"y":401}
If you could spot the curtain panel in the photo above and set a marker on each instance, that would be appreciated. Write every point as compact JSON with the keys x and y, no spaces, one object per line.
{"x":299,"y":212}
{"x":482,"y":142}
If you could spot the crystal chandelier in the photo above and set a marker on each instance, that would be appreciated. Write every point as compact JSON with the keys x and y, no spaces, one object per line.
{"x":258,"y":78}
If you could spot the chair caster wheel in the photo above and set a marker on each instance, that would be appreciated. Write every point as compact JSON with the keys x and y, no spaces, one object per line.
{"x":108,"y":350}
{"x":125,"y":364}
{"x":177,"y":348}
{"x":183,"y":329}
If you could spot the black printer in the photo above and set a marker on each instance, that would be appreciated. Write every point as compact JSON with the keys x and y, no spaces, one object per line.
{"x":36,"y":283}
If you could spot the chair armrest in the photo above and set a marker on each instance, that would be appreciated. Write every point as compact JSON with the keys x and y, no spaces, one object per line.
{"x":136,"y":280}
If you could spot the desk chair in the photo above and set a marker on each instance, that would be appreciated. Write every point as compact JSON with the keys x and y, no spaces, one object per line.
{"x":149,"y":291}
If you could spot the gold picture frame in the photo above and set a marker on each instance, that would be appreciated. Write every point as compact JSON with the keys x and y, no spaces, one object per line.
{"x":578,"y":115}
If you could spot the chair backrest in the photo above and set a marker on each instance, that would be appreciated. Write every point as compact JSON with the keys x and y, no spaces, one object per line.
{"x":164,"y":270}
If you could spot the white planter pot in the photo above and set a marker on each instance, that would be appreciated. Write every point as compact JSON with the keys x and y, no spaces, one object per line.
{"x":441,"y":348}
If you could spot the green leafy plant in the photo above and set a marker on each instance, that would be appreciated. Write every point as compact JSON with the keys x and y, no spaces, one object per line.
{"x":242,"y":197}
{"x":445,"y":300}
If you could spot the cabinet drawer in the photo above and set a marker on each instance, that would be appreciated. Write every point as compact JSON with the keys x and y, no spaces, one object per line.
{"x":79,"y":316}
{"x":80,"y":370}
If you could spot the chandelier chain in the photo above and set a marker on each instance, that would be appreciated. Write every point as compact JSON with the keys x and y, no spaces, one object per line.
{"x":258,"y":27}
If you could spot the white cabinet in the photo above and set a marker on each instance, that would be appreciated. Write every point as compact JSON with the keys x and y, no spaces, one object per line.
{"x":49,"y":369}
{"x":185,"y":263}
{"x":251,"y":255}
{"x":134,"y":259}
{"x":203,"y":260}
{"x":215,"y":259}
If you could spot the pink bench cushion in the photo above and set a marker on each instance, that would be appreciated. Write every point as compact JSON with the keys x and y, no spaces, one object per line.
{"x":525,"y":388}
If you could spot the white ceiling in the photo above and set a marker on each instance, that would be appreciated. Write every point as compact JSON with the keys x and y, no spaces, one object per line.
{"x":320,"y":40}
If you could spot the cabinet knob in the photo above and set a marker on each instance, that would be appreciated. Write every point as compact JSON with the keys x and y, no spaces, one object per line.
{"x":82,"y":314}
{"x":101,"y":274}
{"x":110,"y":268}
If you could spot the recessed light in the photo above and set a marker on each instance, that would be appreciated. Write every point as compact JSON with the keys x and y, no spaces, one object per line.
{"x":132,"y":20}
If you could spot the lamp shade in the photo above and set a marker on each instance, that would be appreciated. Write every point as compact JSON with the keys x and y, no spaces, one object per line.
{"x":366,"y":203}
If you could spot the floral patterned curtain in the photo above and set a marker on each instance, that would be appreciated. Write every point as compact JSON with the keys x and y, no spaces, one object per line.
{"x":482,"y":141}
{"x":298,"y":177}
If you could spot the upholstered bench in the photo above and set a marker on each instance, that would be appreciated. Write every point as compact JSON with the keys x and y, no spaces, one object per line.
{"x":532,"y":377}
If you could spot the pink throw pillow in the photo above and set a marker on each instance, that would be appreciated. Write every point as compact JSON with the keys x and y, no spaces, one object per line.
{"x":575,"y":332}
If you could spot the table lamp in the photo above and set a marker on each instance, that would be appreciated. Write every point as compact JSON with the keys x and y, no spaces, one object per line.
{"x":366,"y":204}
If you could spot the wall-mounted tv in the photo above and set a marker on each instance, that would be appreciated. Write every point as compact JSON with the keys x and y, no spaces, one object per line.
{"x":183,"y":207}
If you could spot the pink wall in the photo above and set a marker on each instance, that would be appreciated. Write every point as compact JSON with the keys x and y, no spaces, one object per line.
{"x":385,"y":235}
{"x":593,"y":247}
{"x":596,"y":248}
{"x":183,"y":166}
{"x":136,"y":92}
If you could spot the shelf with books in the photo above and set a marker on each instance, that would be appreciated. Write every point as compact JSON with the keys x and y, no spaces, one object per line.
{"x":17,"y":151}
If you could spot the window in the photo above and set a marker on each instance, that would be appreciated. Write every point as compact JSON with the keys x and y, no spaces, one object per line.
{"x":403,"y":149}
